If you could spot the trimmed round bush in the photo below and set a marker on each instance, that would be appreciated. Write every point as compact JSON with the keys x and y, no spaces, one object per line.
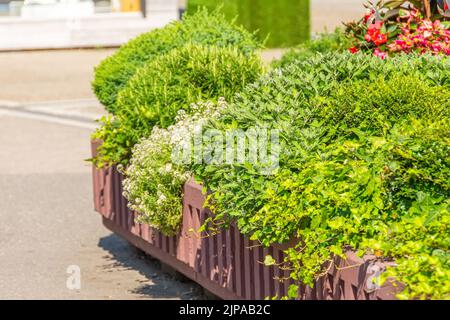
{"x":327,"y":91}
{"x":174,"y":81}
{"x":200,"y":28}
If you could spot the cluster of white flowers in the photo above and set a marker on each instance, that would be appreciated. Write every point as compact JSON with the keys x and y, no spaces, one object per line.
{"x":186,"y":124}
{"x":152,"y":181}
{"x":161,"y":198}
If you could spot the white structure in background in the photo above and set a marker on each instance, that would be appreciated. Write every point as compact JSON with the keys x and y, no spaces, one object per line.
{"x":72,"y":24}
{"x":115,"y":5}
{"x":162,"y":8}
{"x":47,"y":9}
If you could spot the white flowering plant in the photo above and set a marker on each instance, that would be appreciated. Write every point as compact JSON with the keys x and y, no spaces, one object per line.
{"x":153,"y":183}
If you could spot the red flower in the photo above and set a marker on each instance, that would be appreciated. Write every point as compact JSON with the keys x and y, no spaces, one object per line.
{"x":379,"y":39}
{"x":416,"y":35}
{"x":353,"y":50}
{"x":374,"y":27}
{"x":374,"y":35}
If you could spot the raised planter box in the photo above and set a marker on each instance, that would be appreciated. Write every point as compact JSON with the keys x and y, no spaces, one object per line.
{"x":227,"y":264}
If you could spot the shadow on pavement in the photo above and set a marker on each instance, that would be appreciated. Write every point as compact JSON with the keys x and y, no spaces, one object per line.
{"x":160,"y":284}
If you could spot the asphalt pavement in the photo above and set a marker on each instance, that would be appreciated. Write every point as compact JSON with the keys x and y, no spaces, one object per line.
{"x":47,"y":223}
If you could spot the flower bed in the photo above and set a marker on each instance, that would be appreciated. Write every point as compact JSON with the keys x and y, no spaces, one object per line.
{"x":391,"y":27}
{"x":358,"y":152}
{"x":227,"y":264}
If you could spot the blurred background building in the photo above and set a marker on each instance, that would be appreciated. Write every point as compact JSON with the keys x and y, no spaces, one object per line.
{"x":53,"y":24}
{"x":50,"y":24}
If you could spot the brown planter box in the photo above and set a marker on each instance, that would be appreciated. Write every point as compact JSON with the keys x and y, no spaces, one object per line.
{"x":227,"y":264}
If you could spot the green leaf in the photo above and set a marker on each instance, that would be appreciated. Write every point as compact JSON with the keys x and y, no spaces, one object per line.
{"x":269,"y":261}
{"x":293,"y":291}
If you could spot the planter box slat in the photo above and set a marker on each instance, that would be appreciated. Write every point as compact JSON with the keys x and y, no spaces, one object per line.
{"x":227,"y":264}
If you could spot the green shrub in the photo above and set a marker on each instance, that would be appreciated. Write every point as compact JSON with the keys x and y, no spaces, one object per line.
{"x":325,"y":43}
{"x":183,"y":76}
{"x":282,"y":23}
{"x":172,"y":82}
{"x":382,"y":195}
{"x":364,"y":164}
{"x":199,"y":28}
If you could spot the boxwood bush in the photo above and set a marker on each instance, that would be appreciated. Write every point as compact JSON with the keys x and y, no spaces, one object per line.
{"x":167,"y":84}
{"x":364,"y":165}
{"x":189,"y":74}
{"x":200,"y":27}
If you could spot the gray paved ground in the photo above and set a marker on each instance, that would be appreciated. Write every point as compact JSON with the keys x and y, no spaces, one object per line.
{"x":46,"y":218}
{"x":47,"y":222}
{"x":48,"y":75}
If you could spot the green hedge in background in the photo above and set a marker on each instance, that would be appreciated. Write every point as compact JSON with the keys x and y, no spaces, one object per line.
{"x":285,"y":21}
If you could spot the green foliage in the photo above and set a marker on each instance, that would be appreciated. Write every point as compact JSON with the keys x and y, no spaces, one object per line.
{"x":172,"y":82}
{"x":198,"y":28}
{"x":324,"y":43}
{"x":364,"y":165}
{"x":284,"y":23}
{"x":183,"y":76}
{"x":376,"y":194}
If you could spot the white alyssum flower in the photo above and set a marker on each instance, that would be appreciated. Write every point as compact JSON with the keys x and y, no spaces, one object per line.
{"x":151,"y":178}
{"x":161,"y":198}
